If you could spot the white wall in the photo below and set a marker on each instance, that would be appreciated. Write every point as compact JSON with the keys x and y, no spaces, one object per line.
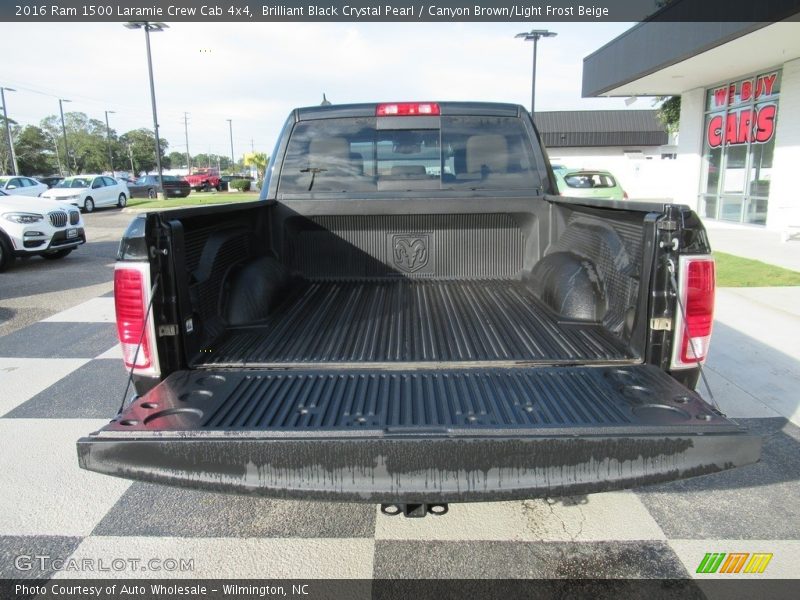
{"x":640,"y":177}
{"x":686,"y":183}
{"x":784,"y":193}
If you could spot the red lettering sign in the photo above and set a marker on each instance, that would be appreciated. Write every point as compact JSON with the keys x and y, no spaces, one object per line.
{"x":765,"y":123}
{"x":742,"y":126}
{"x":720,"y":96}
{"x":714,"y":134}
{"x":765,"y":85}
{"x":747,"y":89}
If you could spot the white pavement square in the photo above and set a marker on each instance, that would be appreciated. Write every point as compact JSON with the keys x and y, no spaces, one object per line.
{"x":22,"y":378}
{"x":229,"y":558}
{"x":44,"y":492}
{"x":733,"y":401}
{"x":755,"y":344}
{"x":596,"y":517}
{"x":96,"y":310}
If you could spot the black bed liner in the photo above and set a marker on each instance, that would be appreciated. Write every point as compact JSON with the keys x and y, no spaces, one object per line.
{"x":377,"y":321}
{"x":637,"y":398}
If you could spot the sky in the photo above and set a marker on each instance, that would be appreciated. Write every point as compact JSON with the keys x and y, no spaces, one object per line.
{"x":255,"y":73}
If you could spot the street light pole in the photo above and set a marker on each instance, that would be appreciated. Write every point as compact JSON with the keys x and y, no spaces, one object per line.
{"x":533,"y":36}
{"x":186,"y":133}
{"x":155,"y":27}
{"x":8,"y":129}
{"x":108,"y":138}
{"x":55,"y":145}
{"x":230,"y":127}
{"x":64,"y":131}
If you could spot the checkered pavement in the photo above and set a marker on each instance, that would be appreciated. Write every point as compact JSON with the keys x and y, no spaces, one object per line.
{"x":62,"y":377}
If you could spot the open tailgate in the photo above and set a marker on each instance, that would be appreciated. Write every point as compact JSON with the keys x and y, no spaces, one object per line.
{"x":424,"y":435}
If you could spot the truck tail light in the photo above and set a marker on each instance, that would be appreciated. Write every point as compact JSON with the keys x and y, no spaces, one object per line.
{"x":134,"y":326}
{"x":696,"y":284}
{"x":407,"y":109}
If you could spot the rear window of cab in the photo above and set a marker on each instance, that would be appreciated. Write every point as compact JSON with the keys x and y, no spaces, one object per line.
{"x":362,"y":154}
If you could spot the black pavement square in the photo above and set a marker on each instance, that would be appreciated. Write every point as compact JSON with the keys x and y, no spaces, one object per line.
{"x":514,"y":560}
{"x":754,"y":502}
{"x":93,"y":391}
{"x":59,"y":340}
{"x":18,"y":555}
{"x":177,"y":512}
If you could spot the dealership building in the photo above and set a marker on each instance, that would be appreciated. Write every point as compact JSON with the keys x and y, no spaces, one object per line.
{"x":738,"y":145}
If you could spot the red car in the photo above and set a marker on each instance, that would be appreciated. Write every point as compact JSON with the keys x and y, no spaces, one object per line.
{"x":204,"y":180}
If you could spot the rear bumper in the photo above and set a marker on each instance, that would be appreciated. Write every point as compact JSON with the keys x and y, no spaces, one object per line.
{"x":414,"y":468}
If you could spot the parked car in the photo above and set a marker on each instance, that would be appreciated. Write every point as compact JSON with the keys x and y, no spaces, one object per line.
{"x":50,"y":180}
{"x":204,"y":180}
{"x":32,"y":226}
{"x":22,"y":186}
{"x":375,"y":333}
{"x":588,"y":184}
{"x":147,"y":187}
{"x":89,"y":191}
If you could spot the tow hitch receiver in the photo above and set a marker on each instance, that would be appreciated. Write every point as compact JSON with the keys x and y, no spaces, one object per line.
{"x":414,"y":511}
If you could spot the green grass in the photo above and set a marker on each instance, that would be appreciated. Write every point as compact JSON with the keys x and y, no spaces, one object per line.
{"x":194,"y":199}
{"x":733,"y":271}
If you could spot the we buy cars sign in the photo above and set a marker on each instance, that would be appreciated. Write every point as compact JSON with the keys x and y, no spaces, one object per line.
{"x":754,"y":123}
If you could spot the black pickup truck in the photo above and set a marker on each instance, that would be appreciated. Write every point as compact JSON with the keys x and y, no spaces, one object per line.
{"x":410,"y":315}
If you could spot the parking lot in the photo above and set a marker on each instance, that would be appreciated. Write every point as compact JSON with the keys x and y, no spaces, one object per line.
{"x":62,"y":377}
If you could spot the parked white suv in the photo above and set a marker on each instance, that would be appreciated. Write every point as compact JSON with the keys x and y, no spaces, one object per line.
{"x":37,"y":227}
{"x":89,"y":191}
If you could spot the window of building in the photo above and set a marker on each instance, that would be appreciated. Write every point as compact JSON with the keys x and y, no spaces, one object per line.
{"x":739,"y":141}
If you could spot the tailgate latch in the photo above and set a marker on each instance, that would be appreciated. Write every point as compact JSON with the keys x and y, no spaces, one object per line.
{"x":661,"y":324}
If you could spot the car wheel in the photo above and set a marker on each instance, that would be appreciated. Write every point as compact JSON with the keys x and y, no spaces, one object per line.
{"x":6,"y":258}
{"x":122,"y":201}
{"x":57,"y":254}
{"x":151,"y":193}
{"x":88,"y":205}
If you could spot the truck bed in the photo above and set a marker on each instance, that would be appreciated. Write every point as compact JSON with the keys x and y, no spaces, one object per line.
{"x":402,"y":321}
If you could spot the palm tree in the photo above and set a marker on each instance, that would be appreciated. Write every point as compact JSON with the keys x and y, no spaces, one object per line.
{"x":258,"y":160}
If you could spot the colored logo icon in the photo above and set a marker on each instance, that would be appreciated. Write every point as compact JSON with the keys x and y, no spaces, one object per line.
{"x":734,"y":562}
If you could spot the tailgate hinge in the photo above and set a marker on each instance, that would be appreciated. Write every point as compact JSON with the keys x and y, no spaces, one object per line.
{"x":667,"y":225}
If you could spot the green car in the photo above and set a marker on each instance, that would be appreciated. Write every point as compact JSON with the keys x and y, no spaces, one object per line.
{"x":584,"y":183}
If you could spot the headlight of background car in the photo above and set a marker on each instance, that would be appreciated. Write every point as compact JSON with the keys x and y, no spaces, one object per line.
{"x":23,"y":217}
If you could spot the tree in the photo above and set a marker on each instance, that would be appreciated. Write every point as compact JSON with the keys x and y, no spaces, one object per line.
{"x":5,"y":157}
{"x":669,"y":113}
{"x":141,"y":143}
{"x":177,"y":160}
{"x":211,"y":160}
{"x":86,"y":138}
{"x":35,"y":153}
{"x":259,"y":160}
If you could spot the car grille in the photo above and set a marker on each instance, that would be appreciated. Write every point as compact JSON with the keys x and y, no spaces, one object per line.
{"x":58,"y":218}
{"x":74,"y":217}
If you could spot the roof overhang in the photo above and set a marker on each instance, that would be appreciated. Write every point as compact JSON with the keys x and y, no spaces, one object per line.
{"x":663,"y":59}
